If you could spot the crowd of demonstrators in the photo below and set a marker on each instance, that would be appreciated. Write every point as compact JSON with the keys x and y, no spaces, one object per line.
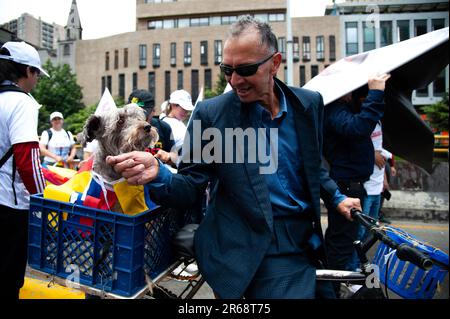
{"x":261,"y":236}
{"x":56,"y":144}
{"x":349,"y":151}
{"x":20,"y":168}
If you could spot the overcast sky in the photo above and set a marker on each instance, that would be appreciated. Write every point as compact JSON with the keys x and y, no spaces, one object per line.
{"x":100,"y":18}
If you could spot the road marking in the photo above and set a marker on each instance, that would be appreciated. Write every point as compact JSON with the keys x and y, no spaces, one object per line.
{"x":427,"y":227}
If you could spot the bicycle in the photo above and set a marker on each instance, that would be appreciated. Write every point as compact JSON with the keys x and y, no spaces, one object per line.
{"x":410,"y":268}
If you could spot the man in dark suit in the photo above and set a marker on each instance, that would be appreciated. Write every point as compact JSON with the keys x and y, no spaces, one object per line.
{"x":261,"y":236}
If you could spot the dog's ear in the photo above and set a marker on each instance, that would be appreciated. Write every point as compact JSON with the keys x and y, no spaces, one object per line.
{"x":93,"y":128}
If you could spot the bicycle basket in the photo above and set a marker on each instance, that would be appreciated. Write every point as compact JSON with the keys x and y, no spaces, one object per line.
{"x":404,"y":278}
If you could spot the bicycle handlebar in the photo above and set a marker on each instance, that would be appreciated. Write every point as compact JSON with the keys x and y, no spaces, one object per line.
{"x":403,"y":251}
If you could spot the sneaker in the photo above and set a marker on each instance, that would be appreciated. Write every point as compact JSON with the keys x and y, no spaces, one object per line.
{"x":384,"y":220}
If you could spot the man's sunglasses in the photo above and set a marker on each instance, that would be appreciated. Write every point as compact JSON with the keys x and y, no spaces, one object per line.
{"x":244,"y":70}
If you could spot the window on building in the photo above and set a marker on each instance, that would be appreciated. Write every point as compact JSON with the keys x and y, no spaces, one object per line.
{"x":368,"y":36}
{"x":152,"y":84}
{"x":228,"y":20}
{"x":351,"y":38}
{"x":306,"y":43}
{"x":66,"y":49}
{"x":314,"y":70}
{"x":109,"y":83}
{"x":155,"y":24}
{"x":208,"y":79}
{"x":122,"y":86}
{"x":204,"y":53}
{"x":320,"y":48}
{"x":180,"y":82}
{"x":199,"y":22}
{"x":437,"y":24}
{"x":276,"y":17}
{"x":187,"y":53}
{"x":135,"y":81}
{"x":183,"y":23}
{"x":420,"y":27}
{"x":332,"y":44}
{"x":214,"y":21}
{"x":385,"y":33}
{"x":402,"y":30}
{"x":103,"y":85}
{"x":167,"y":89}
{"x":282,"y":47}
{"x":116,"y":59}
{"x":142,"y":56}
{"x":156,"y":55}
{"x":302,"y":75}
{"x":263,"y":17}
{"x":194,"y":84}
{"x":296,"y":49}
{"x":125,"y":58}
{"x":107,"y":61}
{"x":217,"y":52}
{"x":169,"y":24}
{"x":173,"y":54}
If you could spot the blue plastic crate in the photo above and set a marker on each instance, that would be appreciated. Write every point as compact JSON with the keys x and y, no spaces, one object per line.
{"x":404,"y":278}
{"x":111,"y":251}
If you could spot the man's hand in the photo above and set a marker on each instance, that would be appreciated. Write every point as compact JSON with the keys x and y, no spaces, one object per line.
{"x":58,"y":159}
{"x":378,"y":82}
{"x":393,"y":171}
{"x":346,"y":205}
{"x":138,"y":168}
{"x":380,"y":161}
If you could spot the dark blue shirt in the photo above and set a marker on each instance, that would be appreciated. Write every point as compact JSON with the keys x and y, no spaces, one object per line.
{"x":348,"y":147}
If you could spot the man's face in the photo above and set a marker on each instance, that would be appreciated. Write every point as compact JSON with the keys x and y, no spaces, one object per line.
{"x":244,"y":50}
{"x":31,"y":80}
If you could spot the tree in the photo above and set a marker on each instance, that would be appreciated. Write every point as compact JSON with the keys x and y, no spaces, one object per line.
{"x":437,"y":114}
{"x":219,"y":88}
{"x":60,"y":93}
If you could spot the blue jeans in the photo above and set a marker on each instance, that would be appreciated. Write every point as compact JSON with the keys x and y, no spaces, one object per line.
{"x":371,"y":207}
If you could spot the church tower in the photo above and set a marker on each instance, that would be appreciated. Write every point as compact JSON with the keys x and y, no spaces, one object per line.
{"x":73,"y":32}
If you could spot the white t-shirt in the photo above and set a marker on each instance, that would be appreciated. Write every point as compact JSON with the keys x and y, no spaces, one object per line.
{"x":60,"y":144}
{"x":178,"y":130}
{"x":374,"y":186}
{"x":18,"y":124}
{"x":91,"y":147}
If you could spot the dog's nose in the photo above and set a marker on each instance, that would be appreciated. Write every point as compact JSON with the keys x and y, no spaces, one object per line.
{"x":147,"y":128}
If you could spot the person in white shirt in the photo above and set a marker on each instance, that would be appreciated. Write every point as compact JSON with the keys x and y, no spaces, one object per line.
{"x":20,"y":168}
{"x":57,"y":144}
{"x":180,"y":104}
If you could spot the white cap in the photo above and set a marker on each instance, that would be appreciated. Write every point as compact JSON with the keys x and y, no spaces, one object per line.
{"x":56,"y":114}
{"x":182,"y":98}
{"x":23,"y":53}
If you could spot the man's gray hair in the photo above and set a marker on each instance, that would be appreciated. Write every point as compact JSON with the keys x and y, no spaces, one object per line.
{"x":247,"y":22}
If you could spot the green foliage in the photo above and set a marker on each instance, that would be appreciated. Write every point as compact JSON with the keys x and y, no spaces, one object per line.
{"x":60,"y":93}
{"x":437,"y":114}
{"x":219,"y":87}
{"x":75,"y":122}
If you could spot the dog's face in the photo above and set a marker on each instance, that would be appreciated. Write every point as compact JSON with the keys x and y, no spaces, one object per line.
{"x":121,"y":131}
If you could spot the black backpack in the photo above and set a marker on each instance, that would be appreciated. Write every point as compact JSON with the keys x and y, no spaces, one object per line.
{"x":9,"y":153}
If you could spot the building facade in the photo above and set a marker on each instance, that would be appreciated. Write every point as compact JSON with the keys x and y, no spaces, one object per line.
{"x":179,"y":44}
{"x":367,"y":25}
{"x":38,"y":33}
